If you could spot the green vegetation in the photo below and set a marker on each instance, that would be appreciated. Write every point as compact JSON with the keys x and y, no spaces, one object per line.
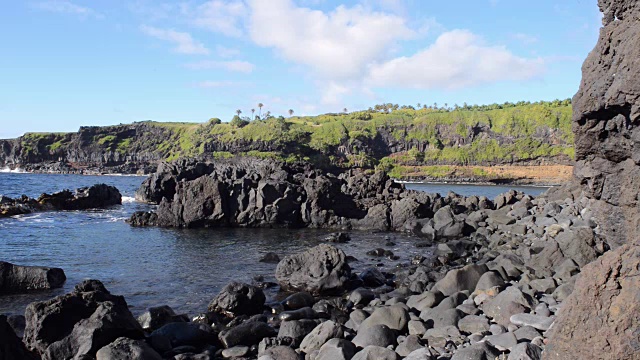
{"x":420,"y":136}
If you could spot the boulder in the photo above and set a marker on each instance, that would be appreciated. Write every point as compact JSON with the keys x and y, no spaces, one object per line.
{"x":186,"y":334}
{"x":248,"y":333}
{"x":336,"y":349}
{"x":396,"y":317}
{"x":16,"y":278}
{"x":279,"y":353}
{"x":127,"y":349}
{"x":373,"y":352}
{"x":320,"y":335}
{"x":525,"y":351}
{"x":238,"y":299}
{"x":320,"y":270}
{"x":479,"y":351}
{"x":378,"y":335}
{"x":465,"y":278}
{"x":296,"y":329}
{"x":156,"y":317}
{"x":79,"y":323}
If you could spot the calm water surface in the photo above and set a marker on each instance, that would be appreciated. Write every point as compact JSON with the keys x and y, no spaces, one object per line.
{"x":181,"y":268}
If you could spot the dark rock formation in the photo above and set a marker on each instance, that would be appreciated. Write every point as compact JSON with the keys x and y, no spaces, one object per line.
{"x":96,"y":196}
{"x":319,"y":270}
{"x":15,"y":278}
{"x":266,"y":193}
{"x":78,"y":324}
{"x":238,"y":299}
{"x":606,"y":113}
{"x":601,"y":318}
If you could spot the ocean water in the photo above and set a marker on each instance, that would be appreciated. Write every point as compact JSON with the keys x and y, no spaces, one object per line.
{"x":184,"y":269}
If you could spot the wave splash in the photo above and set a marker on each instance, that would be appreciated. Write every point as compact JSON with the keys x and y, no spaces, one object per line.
{"x":7,"y":169}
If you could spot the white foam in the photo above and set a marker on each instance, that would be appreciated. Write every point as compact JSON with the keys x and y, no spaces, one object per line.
{"x":13,"y":171}
{"x":128,"y":199}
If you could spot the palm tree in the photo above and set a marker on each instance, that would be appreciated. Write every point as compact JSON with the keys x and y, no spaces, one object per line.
{"x":260,"y":105}
{"x":238,"y":112}
{"x":290,"y":112}
{"x":253,"y":111}
{"x":344,"y":110}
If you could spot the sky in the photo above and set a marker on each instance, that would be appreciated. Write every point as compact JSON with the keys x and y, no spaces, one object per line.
{"x":66,"y":64}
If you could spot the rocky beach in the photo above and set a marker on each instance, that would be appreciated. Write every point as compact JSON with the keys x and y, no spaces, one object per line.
{"x":517,"y":277}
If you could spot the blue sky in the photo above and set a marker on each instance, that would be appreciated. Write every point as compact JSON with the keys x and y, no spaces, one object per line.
{"x":66,"y":64}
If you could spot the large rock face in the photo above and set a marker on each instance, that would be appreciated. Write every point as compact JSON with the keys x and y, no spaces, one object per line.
{"x":606,"y":113}
{"x":601,"y":318}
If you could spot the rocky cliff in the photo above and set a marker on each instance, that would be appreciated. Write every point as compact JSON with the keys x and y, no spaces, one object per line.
{"x":601,"y":319}
{"x":532,"y":134}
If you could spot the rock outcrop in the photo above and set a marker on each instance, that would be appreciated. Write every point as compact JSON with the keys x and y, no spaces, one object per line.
{"x":601,"y":318}
{"x":15,"y":278}
{"x":606,"y":114}
{"x":267,"y":193}
{"x":93,"y":197}
{"x":78,"y":324}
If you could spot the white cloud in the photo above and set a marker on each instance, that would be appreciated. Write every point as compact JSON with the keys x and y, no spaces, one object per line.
{"x":235,"y":65}
{"x":457,"y":59}
{"x":225,"y":52}
{"x":338,"y":45}
{"x":524,"y":38}
{"x":214,"y":84}
{"x":67,"y":7}
{"x":184,"y":43}
{"x":220,"y":16}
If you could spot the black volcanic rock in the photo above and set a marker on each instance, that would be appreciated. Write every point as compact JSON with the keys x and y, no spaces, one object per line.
{"x":96,"y":196}
{"x":15,"y":278}
{"x":78,"y":324}
{"x":601,"y":317}
{"x":265,"y":193}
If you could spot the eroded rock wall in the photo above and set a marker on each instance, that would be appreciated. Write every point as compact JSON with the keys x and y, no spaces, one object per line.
{"x":601,"y":318}
{"x":606,"y":122}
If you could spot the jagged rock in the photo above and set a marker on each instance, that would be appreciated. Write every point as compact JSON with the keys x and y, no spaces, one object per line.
{"x":319,"y":270}
{"x":16,"y":278}
{"x":79,"y":323}
{"x":238,"y":299}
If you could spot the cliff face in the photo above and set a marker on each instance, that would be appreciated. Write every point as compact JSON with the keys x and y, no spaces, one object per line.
{"x":122,"y":148}
{"x":601,"y":319}
{"x":607,"y":119}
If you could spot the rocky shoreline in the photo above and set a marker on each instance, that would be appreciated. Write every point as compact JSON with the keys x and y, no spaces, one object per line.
{"x":494,"y":293}
{"x":516,"y":277}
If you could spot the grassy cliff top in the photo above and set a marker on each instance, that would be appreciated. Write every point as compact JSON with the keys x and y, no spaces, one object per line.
{"x":386,"y":134}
